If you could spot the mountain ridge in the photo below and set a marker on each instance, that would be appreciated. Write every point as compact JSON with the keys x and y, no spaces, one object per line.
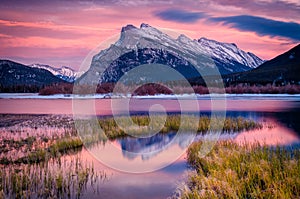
{"x":15,"y":74}
{"x":66,"y":73}
{"x":282,"y":69}
{"x":133,"y":39}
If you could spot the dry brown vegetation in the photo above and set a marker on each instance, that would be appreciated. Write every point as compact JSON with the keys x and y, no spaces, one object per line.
{"x":234,"y":171}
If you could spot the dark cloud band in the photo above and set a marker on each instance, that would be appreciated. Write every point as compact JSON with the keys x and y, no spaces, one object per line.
{"x":181,"y":16}
{"x":259,"y":25}
{"x":262,"y":26}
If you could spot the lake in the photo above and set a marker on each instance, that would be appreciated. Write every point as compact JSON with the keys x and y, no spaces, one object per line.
{"x":156,"y":176}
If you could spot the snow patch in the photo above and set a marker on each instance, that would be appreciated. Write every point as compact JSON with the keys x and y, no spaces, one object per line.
{"x":159,"y":96}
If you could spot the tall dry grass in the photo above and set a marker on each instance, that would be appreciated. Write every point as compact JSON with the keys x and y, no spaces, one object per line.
{"x":233,"y":171}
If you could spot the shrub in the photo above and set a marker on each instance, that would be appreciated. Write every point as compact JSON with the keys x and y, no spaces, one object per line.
{"x":59,"y":88}
{"x":152,"y":89}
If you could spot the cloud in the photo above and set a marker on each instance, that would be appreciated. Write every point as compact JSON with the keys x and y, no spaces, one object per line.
{"x":275,"y":8}
{"x":181,"y":16}
{"x":262,"y":26}
{"x":42,"y":31}
{"x":64,"y":56}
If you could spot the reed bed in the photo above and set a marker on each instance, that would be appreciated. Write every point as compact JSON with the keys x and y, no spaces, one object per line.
{"x":201,"y":124}
{"x":40,"y":159}
{"x":59,"y":147}
{"x":65,"y":177}
{"x":249,"y":171}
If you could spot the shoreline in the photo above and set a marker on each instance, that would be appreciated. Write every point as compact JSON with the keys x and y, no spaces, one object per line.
{"x":159,"y":96}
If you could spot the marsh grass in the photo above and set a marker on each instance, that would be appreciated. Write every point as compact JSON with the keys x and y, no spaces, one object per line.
{"x":56,"y":178}
{"x":16,"y":144}
{"x":64,"y":145}
{"x":202,"y":125}
{"x":30,"y":133}
{"x":39,"y":159}
{"x":234,"y":171}
{"x":59,"y":147}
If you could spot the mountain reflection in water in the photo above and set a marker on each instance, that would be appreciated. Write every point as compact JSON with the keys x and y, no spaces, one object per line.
{"x":151,"y":146}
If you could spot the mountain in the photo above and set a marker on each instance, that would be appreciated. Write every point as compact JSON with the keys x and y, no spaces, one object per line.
{"x":282,"y":69}
{"x":148,"y":45}
{"x":16,"y":74}
{"x":65,"y":73}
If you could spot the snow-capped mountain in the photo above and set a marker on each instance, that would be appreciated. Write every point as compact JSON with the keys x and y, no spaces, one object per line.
{"x":65,"y":73}
{"x":147,"y":44}
{"x":13,"y":74}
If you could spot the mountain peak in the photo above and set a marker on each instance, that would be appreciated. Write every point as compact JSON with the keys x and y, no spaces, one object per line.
{"x":144,"y":25}
{"x":234,"y":45}
{"x":202,"y":39}
{"x":128,"y":27}
{"x":206,"y":40}
{"x":184,"y":39}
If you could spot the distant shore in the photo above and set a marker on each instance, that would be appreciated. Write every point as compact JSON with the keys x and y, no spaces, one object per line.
{"x":157,"y":96}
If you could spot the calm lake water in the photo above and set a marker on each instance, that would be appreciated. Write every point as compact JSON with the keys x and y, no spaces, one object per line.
{"x":280,"y":116}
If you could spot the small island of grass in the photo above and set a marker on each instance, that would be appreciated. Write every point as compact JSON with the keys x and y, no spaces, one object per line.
{"x":234,"y":171}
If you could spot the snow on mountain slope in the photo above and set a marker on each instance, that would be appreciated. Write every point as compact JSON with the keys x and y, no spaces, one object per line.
{"x":228,"y":52}
{"x":65,"y":73}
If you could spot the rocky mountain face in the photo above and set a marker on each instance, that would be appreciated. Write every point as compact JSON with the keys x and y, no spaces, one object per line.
{"x":148,"y":45}
{"x":65,"y":73}
{"x":12,"y":74}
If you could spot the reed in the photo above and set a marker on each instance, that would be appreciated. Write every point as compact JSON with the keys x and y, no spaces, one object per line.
{"x":64,"y":145}
{"x":58,"y":148}
{"x":233,"y":171}
{"x":203,"y":124}
{"x":56,"y":178}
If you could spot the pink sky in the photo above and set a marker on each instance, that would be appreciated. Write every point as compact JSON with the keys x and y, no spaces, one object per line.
{"x":64,"y":32}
